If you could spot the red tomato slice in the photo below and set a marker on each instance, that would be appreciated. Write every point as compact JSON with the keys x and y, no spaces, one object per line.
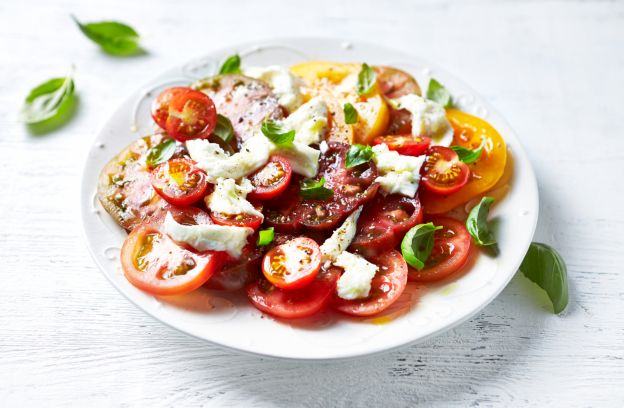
{"x":443,"y":173}
{"x":386,"y":287}
{"x":405,"y":144}
{"x":179,"y":182}
{"x":155,"y":263}
{"x":297,"y":303}
{"x":294,"y":264}
{"x":238,"y":220}
{"x":451,"y":247}
{"x":271,"y":180}
{"x":160,"y":106}
{"x":237,"y":273}
{"x":192,"y":115}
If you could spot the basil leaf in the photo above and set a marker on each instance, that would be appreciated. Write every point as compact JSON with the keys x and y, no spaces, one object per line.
{"x":277,"y":134}
{"x":350,"y":113}
{"x":358,"y":154}
{"x":477,"y":223}
{"x":417,"y":244}
{"x":265,"y":236}
{"x":366,"y":80}
{"x":160,"y":153}
{"x":544,"y":266}
{"x":231,"y":65}
{"x":224,"y":129}
{"x":49,"y":100}
{"x":438,"y":93}
{"x":466,"y":155}
{"x":314,"y":190}
{"x":113,"y":37}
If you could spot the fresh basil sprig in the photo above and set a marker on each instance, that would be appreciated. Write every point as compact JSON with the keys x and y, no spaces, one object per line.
{"x":315,"y":190}
{"x":466,"y":155}
{"x":160,"y":153}
{"x":350,"y":113}
{"x":113,"y":37}
{"x":544,"y":266}
{"x":231,"y":65}
{"x":277,"y":134}
{"x":477,"y":224}
{"x":417,"y":244}
{"x":224,"y":129}
{"x":265,"y":236}
{"x":366,"y":79}
{"x":438,"y":93}
{"x":358,"y":154}
{"x":51,"y":100}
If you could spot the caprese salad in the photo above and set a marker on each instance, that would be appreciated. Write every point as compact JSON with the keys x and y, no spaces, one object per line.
{"x":320,"y":185}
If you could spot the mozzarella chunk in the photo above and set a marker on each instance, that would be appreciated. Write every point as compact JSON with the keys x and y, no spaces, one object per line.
{"x":341,"y":238}
{"x":303,"y":159}
{"x":398,"y":173}
{"x":285,"y":85}
{"x":355,"y":282}
{"x":428,"y":119}
{"x":230,"y":198}
{"x":309,"y":121}
{"x":204,"y":237}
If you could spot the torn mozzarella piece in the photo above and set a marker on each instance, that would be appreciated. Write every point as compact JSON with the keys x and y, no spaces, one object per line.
{"x":341,"y":238}
{"x":398,"y":173}
{"x":428,"y":119}
{"x":285,"y":85}
{"x":309,"y":121}
{"x":231,"y":198}
{"x":355,"y":282}
{"x":303,"y":159}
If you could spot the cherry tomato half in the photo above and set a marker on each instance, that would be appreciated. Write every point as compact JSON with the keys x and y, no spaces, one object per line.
{"x":192,"y":115}
{"x":160,"y":106}
{"x":451,"y":246}
{"x":405,"y":144}
{"x":443,"y":173}
{"x":252,"y":221}
{"x":271,"y":180}
{"x":293,"y":264}
{"x":179,"y":182}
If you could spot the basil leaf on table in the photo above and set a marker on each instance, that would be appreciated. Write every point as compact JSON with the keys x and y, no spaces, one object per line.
{"x":160,"y":153}
{"x":48,"y":101}
{"x":113,"y":37}
{"x":417,"y":244}
{"x":544,"y":266}
{"x":315,"y":190}
{"x":350,"y":113}
{"x":466,"y":155}
{"x":277,"y":134}
{"x":366,"y":80}
{"x":477,"y":224}
{"x":265,"y":236}
{"x":438,"y":93}
{"x":224,"y":129}
{"x":358,"y":154}
{"x":231,"y":65}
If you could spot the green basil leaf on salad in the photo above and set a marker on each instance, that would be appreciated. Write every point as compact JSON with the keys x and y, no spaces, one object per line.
{"x":277,"y":134}
{"x":113,"y":37}
{"x":350,"y":113}
{"x":366,"y":79}
{"x":160,"y":153}
{"x":438,"y":93}
{"x":50,"y":100}
{"x":315,"y":190}
{"x":544,"y":266}
{"x":358,"y":154}
{"x":231,"y":65}
{"x":477,"y":224}
{"x":417,"y":244}
{"x":224,"y":129}
{"x":265,"y":236}
{"x":466,"y":155}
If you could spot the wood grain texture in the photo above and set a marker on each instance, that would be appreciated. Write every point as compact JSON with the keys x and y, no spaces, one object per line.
{"x":553,"y":68}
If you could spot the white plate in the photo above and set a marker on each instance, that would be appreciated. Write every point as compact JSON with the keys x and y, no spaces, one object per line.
{"x":227,"y":319}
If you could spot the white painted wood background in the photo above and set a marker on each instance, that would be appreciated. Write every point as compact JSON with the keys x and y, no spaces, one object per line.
{"x":555,"y":69}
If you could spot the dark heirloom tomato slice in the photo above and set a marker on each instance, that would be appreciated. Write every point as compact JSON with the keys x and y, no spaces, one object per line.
{"x":443,"y":173}
{"x":238,"y":220}
{"x":293,"y":264}
{"x":279,"y":213}
{"x":386,"y":287}
{"x":179,"y":182}
{"x":237,"y":273}
{"x":405,"y":144}
{"x":297,"y":303}
{"x":155,"y":263}
{"x":394,"y":83}
{"x":451,"y":246}
{"x":160,"y":106}
{"x":271,"y":180}
{"x":319,"y":215}
{"x":192,"y":115}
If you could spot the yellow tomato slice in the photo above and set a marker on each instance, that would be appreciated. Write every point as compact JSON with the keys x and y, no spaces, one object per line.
{"x":469,"y":131}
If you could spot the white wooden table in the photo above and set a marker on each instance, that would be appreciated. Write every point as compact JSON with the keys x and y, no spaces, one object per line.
{"x":556,"y":71}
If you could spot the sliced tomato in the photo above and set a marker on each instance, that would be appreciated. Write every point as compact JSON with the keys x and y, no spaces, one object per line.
{"x":319,"y":215}
{"x":386,"y":287}
{"x":179,"y":182}
{"x":294,"y":264}
{"x":297,"y":303}
{"x":405,"y":144}
{"x":238,"y":220}
{"x":237,"y":273}
{"x":192,"y":115}
{"x":160,"y":106}
{"x":443,"y":173}
{"x":271,"y":180}
{"x":451,"y":247}
{"x":155,"y":263}
{"x":280,"y":212}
